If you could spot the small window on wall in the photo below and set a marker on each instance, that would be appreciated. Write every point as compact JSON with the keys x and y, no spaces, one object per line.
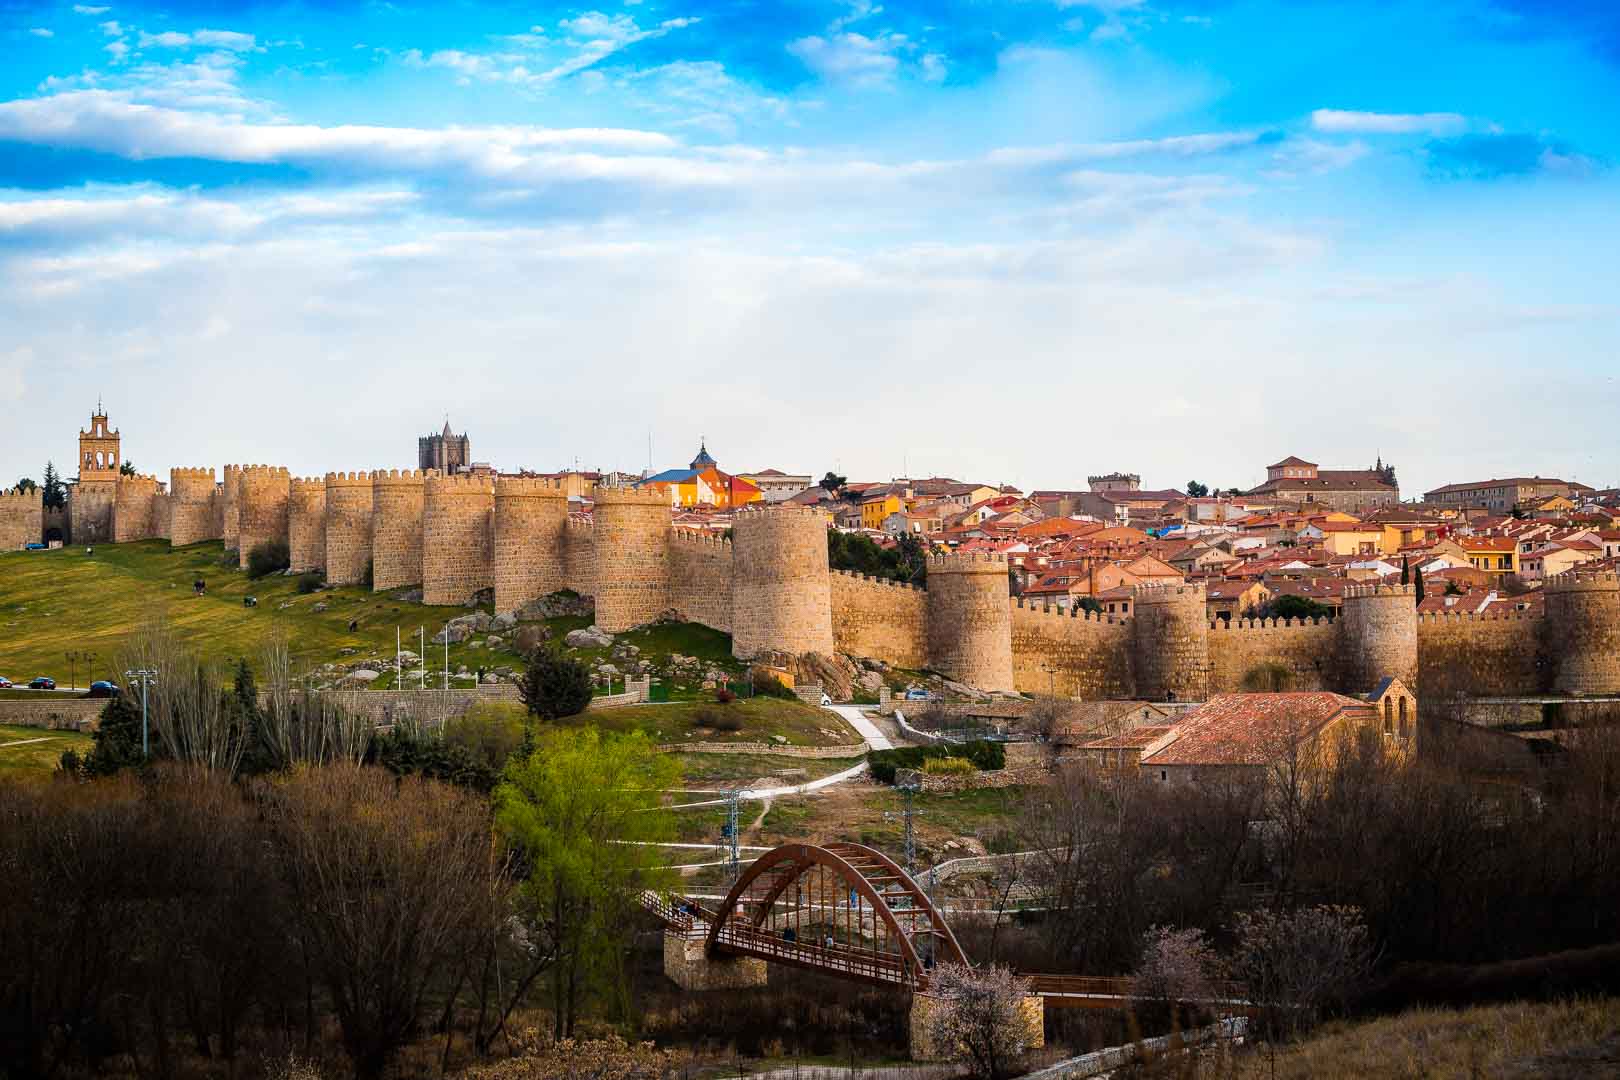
{"x":1389,"y":726}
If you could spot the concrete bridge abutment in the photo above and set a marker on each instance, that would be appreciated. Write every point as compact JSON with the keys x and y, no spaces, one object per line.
{"x":691,"y":967}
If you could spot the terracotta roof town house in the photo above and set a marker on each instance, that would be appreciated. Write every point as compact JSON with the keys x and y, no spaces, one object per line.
{"x":1296,"y":480}
{"x":1502,"y":495}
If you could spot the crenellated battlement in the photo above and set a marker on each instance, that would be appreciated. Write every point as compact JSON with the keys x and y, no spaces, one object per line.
{"x":22,"y":497}
{"x":1153,"y":592}
{"x":1269,"y":624}
{"x":699,"y":539}
{"x":348,"y":479}
{"x":140,"y":481}
{"x":1584,"y":581}
{"x":1364,"y":592}
{"x":265,"y":472}
{"x":1431,"y":618}
{"x":438,"y":484}
{"x":887,"y":583}
{"x":401,"y":477}
{"x":528,"y":487}
{"x":625,"y":496}
{"x":767,"y":510}
{"x":1073,"y":611}
{"x":971,"y":562}
{"x":309,"y":485}
{"x":199,"y":473}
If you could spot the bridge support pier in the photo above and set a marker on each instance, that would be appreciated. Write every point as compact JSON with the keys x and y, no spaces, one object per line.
{"x":925,"y":1006}
{"x":691,"y":968}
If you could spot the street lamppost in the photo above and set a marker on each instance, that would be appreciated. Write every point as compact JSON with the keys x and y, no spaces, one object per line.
{"x":145,"y":677}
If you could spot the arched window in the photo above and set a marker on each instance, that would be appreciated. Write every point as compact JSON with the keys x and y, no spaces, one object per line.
{"x":1389,"y":726}
{"x":1403,"y":718}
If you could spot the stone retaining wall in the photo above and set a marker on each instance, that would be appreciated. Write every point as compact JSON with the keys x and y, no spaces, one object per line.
{"x":775,"y":749}
{"x":60,"y":714}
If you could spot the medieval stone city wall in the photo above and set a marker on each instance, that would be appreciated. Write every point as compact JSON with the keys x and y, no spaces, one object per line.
{"x":1479,"y":655}
{"x":22,"y":519}
{"x":1070,"y":653}
{"x":231,"y":508}
{"x":970,"y":620}
{"x":884,"y":620}
{"x":579,"y":557}
{"x":701,"y":576}
{"x":306,"y":524}
{"x":396,"y":528}
{"x":1307,"y":649}
{"x":781,"y":595}
{"x":93,"y":504}
{"x":1583,"y":613}
{"x":134,"y":508}
{"x":632,"y":557}
{"x":458,"y":537}
{"x":1170,"y":642}
{"x":262,"y":508}
{"x":348,"y":527}
{"x":530,"y":513}
{"x":192,"y":507}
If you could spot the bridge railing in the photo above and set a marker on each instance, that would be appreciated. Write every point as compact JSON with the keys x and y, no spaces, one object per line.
{"x":857,"y":963}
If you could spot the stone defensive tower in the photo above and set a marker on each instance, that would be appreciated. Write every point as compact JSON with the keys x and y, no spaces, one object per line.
{"x":530,"y":514}
{"x":396,"y":528}
{"x":632,"y":556}
{"x":970,"y":620}
{"x":1378,"y":636}
{"x":231,"y":508}
{"x":457,"y":537}
{"x":22,"y":519}
{"x":348,"y":527}
{"x":262,"y":508}
{"x":781,"y":587}
{"x":306,"y":525}
{"x":1170,"y":642}
{"x":135,"y":507}
{"x":191,"y":506}
{"x":1583,"y":628}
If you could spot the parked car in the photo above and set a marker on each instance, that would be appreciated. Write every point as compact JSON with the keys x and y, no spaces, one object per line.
{"x":916,"y":694}
{"x":825,"y":700}
{"x":42,"y":682}
{"x":103,"y":688}
{"x":5,"y":683}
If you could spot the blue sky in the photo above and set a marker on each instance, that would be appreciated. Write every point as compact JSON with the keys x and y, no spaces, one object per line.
{"x":1014,"y":241}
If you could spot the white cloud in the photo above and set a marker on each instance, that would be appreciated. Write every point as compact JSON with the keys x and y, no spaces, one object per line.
{"x":1180,"y":146}
{"x":41,"y":32}
{"x":212,"y":39}
{"x":1345,"y":122}
{"x":117,"y":49}
{"x":535,"y":60}
{"x":850,"y":58}
{"x":933,"y":67}
{"x":112,"y":29}
{"x":86,"y":9}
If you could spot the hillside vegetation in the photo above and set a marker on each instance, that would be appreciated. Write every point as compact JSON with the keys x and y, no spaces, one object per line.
{"x":1557,"y":1040}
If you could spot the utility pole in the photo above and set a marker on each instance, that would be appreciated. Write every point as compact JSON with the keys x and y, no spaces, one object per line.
{"x":733,"y":799}
{"x":145,"y":677}
{"x":399,"y":668}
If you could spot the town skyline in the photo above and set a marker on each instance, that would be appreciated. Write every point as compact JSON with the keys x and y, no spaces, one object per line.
{"x":1072,"y":227}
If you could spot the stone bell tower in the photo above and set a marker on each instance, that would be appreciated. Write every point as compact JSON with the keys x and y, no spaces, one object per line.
{"x":93,"y":498}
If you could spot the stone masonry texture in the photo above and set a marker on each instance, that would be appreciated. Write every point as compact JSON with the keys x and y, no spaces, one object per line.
{"x":348,"y":527}
{"x":262,"y":507}
{"x":782,"y":598}
{"x":191,"y":506}
{"x":970,"y":620}
{"x":396,"y":528}
{"x":632,"y":557}
{"x":457,"y":537}
{"x":530,"y":514}
{"x":306,"y":524}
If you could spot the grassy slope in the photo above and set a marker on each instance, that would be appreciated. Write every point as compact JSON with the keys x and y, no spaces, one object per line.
{"x":800,"y":724}
{"x":1560,"y":1039}
{"x":31,"y":753}
{"x":55,"y":601}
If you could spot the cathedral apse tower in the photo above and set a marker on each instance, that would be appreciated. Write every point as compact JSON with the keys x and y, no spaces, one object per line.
{"x":446,"y":452}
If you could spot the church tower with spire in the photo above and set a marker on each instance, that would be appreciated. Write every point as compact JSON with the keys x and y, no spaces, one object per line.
{"x":447,"y":452}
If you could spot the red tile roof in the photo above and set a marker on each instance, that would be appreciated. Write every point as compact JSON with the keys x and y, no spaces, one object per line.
{"x":1252,"y":729}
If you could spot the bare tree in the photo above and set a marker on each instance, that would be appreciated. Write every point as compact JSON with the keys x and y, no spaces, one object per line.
{"x":188,"y":710}
{"x":1296,"y":964}
{"x":981,"y":1019}
{"x":1177,"y":966}
{"x":388,"y":878}
{"x":298,"y":725}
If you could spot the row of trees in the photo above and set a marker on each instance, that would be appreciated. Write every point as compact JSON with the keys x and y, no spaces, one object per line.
{"x":1444,"y":865}
{"x":177,"y":914}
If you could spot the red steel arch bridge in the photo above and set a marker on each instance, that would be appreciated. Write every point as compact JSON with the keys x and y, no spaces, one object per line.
{"x":849,"y":911}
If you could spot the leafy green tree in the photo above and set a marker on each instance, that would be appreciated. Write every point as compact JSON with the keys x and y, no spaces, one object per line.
{"x":832,"y":483}
{"x":565,"y":810}
{"x":25,"y":484}
{"x":1195,"y":490}
{"x":127,"y":469}
{"x":554,"y":685}
{"x":116,"y":743}
{"x":269,"y":557}
{"x":1089,"y":603}
{"x":1417,"y":580}
{"x":912,"y":558}
{"x":1295,"y":607}
{"x":54,"y":494}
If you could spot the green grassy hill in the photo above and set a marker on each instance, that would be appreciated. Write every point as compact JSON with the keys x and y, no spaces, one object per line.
{"x":32,"y":753}
{"x":54,"y":602}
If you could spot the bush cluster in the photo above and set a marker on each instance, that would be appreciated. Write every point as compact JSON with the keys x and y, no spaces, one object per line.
{"x":270,"y":557}
{"x":982,"y":754}
{"x":717,"y":719}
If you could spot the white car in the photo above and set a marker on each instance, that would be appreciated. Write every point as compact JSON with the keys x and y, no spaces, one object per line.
{"x":825,"y":700}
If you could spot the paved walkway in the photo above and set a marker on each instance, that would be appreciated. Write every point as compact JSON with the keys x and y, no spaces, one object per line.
{"x":852,"y":714}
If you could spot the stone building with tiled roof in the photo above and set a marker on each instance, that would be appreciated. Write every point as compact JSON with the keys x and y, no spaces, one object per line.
{"x":1295,"y":480}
